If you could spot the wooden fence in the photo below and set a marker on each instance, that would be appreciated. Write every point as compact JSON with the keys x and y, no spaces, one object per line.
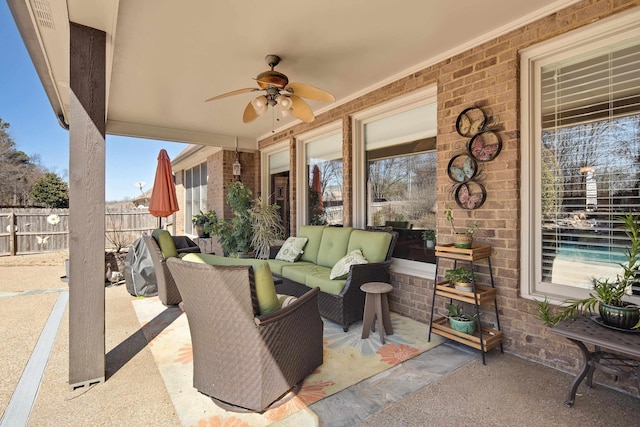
{"x":34,"y":230}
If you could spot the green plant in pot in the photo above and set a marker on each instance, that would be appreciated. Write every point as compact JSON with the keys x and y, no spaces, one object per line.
{"x":267,"y":226}
{"x":463,"y":240}
{"x":460,"y":321}
{"x":235,"y":234}
{"x":461,"y":278}
{"x":202,"y":220}
{"x":608,"y":295}
{"x":429,"y":237}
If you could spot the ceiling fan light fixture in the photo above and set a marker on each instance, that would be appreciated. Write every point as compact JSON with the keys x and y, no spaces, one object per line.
{"x":288,"y":97}
{"x":284,"y":102}
{"x":260,"y":104}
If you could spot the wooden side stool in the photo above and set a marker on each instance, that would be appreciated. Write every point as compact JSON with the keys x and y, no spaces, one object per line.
{"x":376,"y":307}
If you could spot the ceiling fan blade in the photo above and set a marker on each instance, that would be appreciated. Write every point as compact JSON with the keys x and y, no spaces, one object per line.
{"x":250,"y":113}
{"x":233,"y":92}
{"x":300,"y":109}
{"x":310,"y":92}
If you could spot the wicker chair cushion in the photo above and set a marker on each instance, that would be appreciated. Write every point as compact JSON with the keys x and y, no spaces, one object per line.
{"x":342,"y":267}
{"x":165,"y":241}
{"x":292,"y":249}
{"x":333,"y":245}
{"x":374,"y":245}
{"x":265,"y":289}
{"x":311,"y":249}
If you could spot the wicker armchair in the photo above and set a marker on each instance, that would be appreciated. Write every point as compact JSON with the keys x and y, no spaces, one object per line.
{"x":167,"y":289}
{"x":240,"y":359}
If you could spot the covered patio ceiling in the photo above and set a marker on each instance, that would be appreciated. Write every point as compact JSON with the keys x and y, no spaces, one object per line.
{"x":164,"y":58}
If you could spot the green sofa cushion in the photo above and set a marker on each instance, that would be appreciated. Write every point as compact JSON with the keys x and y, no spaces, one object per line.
{"x":325,"y":284}
{"x":276,"y":265}
{"x":314,"y":234}
{"x":265,"y":289}
{"x":314,"y":276}
{"x":297,"y":272}
{"x":165,"y":241}
{"x":373,"y":244}
{"x":333,"y":245}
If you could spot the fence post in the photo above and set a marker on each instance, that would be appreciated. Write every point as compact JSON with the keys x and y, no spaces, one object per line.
{"x":12,"y":234}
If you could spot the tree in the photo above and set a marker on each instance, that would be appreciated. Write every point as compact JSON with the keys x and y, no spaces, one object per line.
{"x":18,"y":171}
{"x":51,"y":191}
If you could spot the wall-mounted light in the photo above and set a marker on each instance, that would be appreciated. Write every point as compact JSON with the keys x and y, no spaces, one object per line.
{"x":237,"y":167}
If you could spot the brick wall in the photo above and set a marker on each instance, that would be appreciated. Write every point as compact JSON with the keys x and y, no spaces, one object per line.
{"x":487,"y":76}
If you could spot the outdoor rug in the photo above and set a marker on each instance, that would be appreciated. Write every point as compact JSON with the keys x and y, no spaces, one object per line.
{"x":348,"y":359}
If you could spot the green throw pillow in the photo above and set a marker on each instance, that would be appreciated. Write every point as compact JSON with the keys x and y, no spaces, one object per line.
{"x":165,"y":241}
{"x":265,"y":289}
{"x":291,"y":251}
{"x":341,"y":269}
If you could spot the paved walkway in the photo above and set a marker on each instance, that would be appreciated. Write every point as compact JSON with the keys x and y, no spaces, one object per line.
{"x":422,"y":391}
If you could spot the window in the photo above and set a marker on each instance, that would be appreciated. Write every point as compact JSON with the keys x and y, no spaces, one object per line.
{"x":320,"y":176}
{"x":195,"y":186}
{"x":395,"y":174}
{"x":276,"y":181}
{"x":581,"y":156}
{"x":401,"y":182}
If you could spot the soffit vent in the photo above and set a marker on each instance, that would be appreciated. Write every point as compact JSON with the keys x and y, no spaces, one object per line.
{"x":42,"y":12}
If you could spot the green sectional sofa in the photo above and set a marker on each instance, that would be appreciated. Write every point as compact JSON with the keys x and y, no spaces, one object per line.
{"x":340,"y":300}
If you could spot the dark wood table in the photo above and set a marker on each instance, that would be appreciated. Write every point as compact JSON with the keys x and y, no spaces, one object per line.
{"x":621,"y":359}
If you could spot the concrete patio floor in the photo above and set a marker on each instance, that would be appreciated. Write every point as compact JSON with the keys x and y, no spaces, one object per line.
{"x":445,"y":386}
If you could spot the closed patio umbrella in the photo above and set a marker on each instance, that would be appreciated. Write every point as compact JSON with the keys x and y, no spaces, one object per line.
{"x":163,"y":199}
{"x":316,"y":185}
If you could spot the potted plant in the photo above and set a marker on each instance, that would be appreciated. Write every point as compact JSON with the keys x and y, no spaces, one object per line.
{"x":429,"y":237}
{"x":460,"y":321}
{"x":608,"y":295}
{"x":202,"y":220}
{"x":462,"y":240}
{"x":267,"y":226}
{"x":235,"y":234}
{"x":461,"y":278}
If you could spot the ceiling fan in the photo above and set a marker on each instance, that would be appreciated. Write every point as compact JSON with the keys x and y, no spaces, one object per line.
{"x":286,"y":96}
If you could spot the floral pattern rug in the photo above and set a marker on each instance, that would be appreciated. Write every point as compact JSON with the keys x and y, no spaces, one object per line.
{"x":348,"y":359}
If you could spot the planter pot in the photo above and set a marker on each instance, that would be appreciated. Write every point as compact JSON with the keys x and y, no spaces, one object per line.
{"x":463,"y":240}
{"x":466,"y":325}
{"x":619,"y":317}
{"x":429,"y":244}
{"x":463,"y":286}
{"x":200,"y":231}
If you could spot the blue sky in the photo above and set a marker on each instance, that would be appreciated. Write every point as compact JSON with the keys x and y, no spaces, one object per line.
{"x":35,"y":129}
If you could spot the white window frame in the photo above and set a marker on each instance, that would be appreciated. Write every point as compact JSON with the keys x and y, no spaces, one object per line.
{"x":265,"y":175}
{"x":532,"y":59}
{"x":302,"y":179}
{"x":411,"y":101}
{"x":188,"y":223}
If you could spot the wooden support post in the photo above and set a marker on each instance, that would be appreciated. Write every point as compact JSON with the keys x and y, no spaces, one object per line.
{"x":86,"y":206}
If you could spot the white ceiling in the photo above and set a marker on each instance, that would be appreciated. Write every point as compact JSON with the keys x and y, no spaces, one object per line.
{"x":166,"y":57}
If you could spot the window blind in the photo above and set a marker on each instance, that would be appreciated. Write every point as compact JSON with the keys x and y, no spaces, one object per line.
{"x":589,"y":162}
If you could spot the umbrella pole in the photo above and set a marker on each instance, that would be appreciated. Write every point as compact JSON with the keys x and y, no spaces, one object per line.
{"x":160,"y":222}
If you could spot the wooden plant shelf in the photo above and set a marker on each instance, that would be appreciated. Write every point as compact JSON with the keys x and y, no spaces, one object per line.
{"x":485,"y":293}
{"x":490,"y":337}
{"x":475,"y":253}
